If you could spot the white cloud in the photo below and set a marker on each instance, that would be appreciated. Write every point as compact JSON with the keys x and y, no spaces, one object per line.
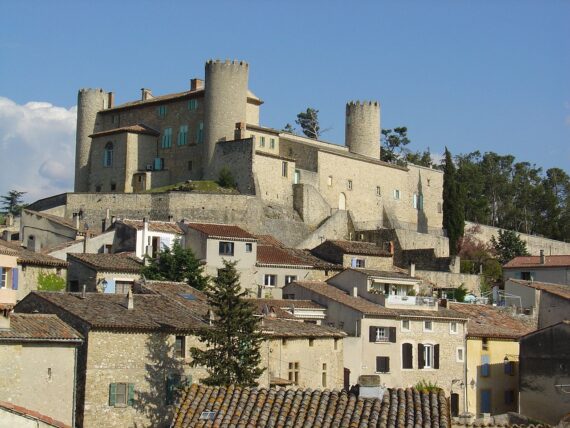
{"x":37,"y":148}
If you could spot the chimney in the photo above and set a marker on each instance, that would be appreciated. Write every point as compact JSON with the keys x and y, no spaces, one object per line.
{"x":83,"y":291}
{"x":542,"y":257}
{"x":130,"y":303}
{"x":85,"y":242}
{"x":196,"y":84}
{"x":240,"y":131}
{"x":5,"y":319}
{"x":412,"y":270}
{"x":113,"y":218}
{"x":146,"y":94}
{"x":370,"y":386}
{"x":144,"y":236}
{"x":76,"y":220}
{"x":443,"y":303}
{"x":110,"y":100}
{"x":355,"y":291}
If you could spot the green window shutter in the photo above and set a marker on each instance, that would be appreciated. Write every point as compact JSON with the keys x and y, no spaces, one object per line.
{"x":112,"y":394}
{"x":131,"y":394}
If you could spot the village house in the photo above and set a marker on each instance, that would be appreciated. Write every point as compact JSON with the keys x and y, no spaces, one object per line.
{"x":355,"y":254}
{"x":304,"y":310}
{"x":542,"y":268}
{"x":38,"y":354}
{"x":144,"y":237}
{"x":492,"y":357}
{"x":102,"y":243}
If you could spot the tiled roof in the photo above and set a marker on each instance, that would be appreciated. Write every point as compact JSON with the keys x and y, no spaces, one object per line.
{"x":490,"y":321}
{"x":56,"y":219}
{"x":269,"y":240}
{"x":215,"y":230}
{"x":155,"y":99}
{"x":191,"y":298}
{"x":313,"y":260}
{"x":277,"y":327}
{"x":396,"y":273}
{"x":559,"y":290}
{"x":154,"y":226}
{"x":369,"y":308}
{"x":534,"y":262}
{"x":28,"y":257}
{"x":289,"y":303}
{"x":252,"y":407}
{"x":27,"y":413}
{"x":271,"y":255}
{"x":109,"y":311}
{"x":356,"y":247}
{"x":123,"y":262}
{"x":134,"y":129}
{"x":38,"y":328}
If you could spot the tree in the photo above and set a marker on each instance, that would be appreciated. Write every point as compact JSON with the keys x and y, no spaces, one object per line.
{"x":177,"y":264}
{"x":508,"y":246}
{"x":459,"y":293}
{"x":232,"y":355}
{"x":453,"y":204}
{"x":289,"y":128}
{"x":13,"y":202}
{"x":309,"y":123}
{"x":393,"y":144}
{"x":226,"y":179}
{"x":419,"y":158}
{"x":50,"y":282}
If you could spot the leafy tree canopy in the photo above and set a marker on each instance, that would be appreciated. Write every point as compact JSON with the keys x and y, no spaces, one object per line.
{"x":508,"y":246}
{"x":13,"y":202}
{"x":394,"y":142}
{"x":309,"y":123}
{"x":232,"y":355}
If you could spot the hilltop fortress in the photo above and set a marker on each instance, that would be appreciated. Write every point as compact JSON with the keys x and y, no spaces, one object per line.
{"x":191,"y":135}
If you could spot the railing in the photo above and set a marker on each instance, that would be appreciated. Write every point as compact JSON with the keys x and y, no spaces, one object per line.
{"x":410,"y":300}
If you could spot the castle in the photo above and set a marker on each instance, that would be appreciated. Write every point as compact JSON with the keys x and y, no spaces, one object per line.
{"x":191,"y":135}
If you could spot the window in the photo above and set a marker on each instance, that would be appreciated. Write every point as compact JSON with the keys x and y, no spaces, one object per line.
{"x":428,"y":326}
{"x":407,"y":357}
{"x":396,"y":194}
{"x":378,"y":191}
{"x":207,"y":416}
{"x":485,"y":366}
{"x":74,"y":286}
{"x":180,"y":347}
{"x":329,"y":180}
{"x":161,"y":111}
{"x":248,"y":247}
{"x":485,"y":344}
{"x":336,"y":344}
{"x":405,"y":325}
{"x":324,"y":376}
{"x":485,"y":401}
{"x":166,"y":141}
{"x":382,"y":364}
{"x":428,"y":356}
{"x":453,"y":327}
{"x":200,"y":133}
{"x":284,"y":168}
{"x":183,"y":135}
{"x":290,"y":278}
{"x":193,"y":105}
{"x":439,"y":208}
{"x":98,"y":188}
{"x":415,"y":200}
{"x":3,"y":277}
{"x":121,"y":394}
{"x":526,"y":276}
{"x":122,"y":287}
{"x":158,"y":164}
{"x":311,"y":342}
{"x":189,"y":165}
{"x":226,"y":248}
{"x":272,"y":143}
{"x":358,"y":263}
{"x":294,"y":373}
{"x":261,"y":141}
{"x":108,"y":155}
{"x":113,"y":187}
{"x":349,"y":184}
{"x":509,"y":396}
{"x":382,"y":334}
{"x":270,"y":280}
{"x":460,"y":355}
{"x":115,"y":119}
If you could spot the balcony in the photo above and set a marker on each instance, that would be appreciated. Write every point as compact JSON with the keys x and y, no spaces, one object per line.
{"x":7,"y":296}
{"x":412,"y":302}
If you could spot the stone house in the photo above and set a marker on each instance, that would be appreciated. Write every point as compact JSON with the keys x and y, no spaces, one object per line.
{"x":30,"y":271}
{"x":549,"y":303}
{"x":355,"y":254}
{"x":492,"y":357}
{"x":404,"y":346}
{"x":102,"y":243}
{"x":103,"y":273}
{"x":38,"y":353}
{"x":304,"y":310}
{"x":545,"y":373}
{"x":553,"y":269}
{"x":145,"y":237}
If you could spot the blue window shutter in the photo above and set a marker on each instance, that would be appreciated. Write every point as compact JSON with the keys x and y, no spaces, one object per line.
{"x":112,"y":394}
{"x":485,"y":401}
{"x":15,"y":279}
{"x":485,"y":365}
{"x":131,"y":394}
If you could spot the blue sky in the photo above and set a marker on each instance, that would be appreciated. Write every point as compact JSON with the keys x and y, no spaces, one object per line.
{"x":487,"y":75}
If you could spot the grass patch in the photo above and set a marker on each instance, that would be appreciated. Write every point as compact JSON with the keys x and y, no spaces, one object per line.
{"x":205,"y":186}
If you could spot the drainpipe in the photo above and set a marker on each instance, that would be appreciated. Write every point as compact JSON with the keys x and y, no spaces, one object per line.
{"x":74,"y":399}
{"x":144,"y":236}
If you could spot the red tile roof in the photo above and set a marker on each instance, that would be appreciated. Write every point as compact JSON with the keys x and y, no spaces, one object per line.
{"x":28,"y":257}
{"x":154,"y":226}
{"x":134,"y":129}
{"x":559,"y":290}
{"x":355,"y":247}
{"x":270,"y":255}
{"x":215,"y":230}
{"x":534,"y":262}
{"x":38,"y":328}
{"x":269,"y":240}
{"x":277,"y":327}
{"x":253,"y":407}
{"x":33,"y":414}
{"x":123,"y":262}
{"x":490,"y":321}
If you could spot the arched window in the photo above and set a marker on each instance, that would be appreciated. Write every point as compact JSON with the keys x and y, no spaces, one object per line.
{"x":108,"y":156}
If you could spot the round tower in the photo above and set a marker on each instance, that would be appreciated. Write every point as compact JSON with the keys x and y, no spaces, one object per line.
{"x":89,"y":103}
{"x":362,"y":133}
{"x":225,"y":105}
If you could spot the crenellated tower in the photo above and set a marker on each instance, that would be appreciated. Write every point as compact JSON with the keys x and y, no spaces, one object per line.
{"x":89,"y":103}
{"x":225,"y":105}
{"x":362,"y":132}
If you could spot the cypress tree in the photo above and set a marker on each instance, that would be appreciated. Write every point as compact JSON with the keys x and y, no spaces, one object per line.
{"x":232,"y":355}
{"x":453,"y":204}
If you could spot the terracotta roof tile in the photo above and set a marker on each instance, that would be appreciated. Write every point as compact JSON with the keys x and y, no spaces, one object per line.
{"x":38,"y":328}
{"x":28,"y":257}
{"x":253,"y":407}
{"x":56,"y":219}
{"x":216,"y":230}
{"x":490,"y":321}
{"x":295,"y":328}
{"x":271,"y":255}
{"x":123,"y":262}
{"x":193,"y":299}
{"x":48,"y":420}
{"x":560,"y":290}
{"x":397,"y":273}
{"x":355,"y":247}
{"x":133,"y":129}
{"x":313,"y":260}
{"x":154,"y":226}
{"x":269,"y":240}
{"x":534,"y":262}
{"x":289,"y":303}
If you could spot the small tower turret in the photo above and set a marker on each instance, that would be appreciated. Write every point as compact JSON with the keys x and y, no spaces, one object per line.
{"x":225,"y":105}
{"x":89,"y":103}
{"x":362,"y":132}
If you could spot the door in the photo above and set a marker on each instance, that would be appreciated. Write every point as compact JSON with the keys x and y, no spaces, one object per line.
{"x":454,"y":404}
{"x":486,"y":401}
{"x":342,"y":201}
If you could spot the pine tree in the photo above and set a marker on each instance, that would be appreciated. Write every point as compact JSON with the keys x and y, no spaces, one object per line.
{"x":13,"y":202}
{"x":508,"y":246}
{"x":232,"y":355}
{"x":309,"y":123}
{"x":453,"y":204}
{"x":176,"y":264}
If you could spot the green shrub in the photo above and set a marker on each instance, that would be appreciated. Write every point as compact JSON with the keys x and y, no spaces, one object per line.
{"x":226,"y":179}
{"x":50,"y":282}
{"x":427,"y":386}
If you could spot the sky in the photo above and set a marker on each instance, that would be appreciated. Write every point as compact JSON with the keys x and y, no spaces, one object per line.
{"x":486,"y":75}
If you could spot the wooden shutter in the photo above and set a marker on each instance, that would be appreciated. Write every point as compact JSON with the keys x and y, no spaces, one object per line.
{"x":382,"y":364}
{"x":372,"y":335}
{"x":392,"y":334}
{"x":421,"y":361}
{"x":14,"y":279}
{"x":112,"y":394}
{"x":407,"y":361}
{"x":485,"y":365}
{"x":436,"y":357}
{"x":131,"y":394}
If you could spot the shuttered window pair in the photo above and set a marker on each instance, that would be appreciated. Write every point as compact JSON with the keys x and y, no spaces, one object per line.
{"x":428,"y":356}
{"x":121,"y":394}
